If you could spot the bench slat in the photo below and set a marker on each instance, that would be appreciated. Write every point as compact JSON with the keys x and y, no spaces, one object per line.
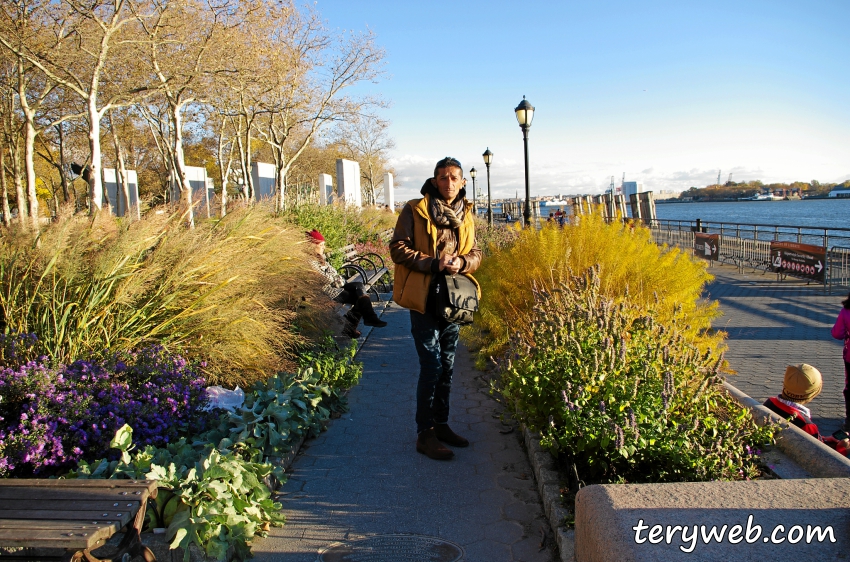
{"x":46,"y":538}
{"x":101,"y":505}
{"x":69,"y":514}
{"x":74,"y":483}
{"x":71,"y":494}
{"x":48,"y":524}
{"x":81,"y":516}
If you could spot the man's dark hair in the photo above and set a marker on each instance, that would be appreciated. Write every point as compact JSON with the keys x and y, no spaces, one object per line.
{"x":448,"y":162}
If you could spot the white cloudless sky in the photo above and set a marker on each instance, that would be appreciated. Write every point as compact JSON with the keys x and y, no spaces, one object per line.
{"x":667,"y":92}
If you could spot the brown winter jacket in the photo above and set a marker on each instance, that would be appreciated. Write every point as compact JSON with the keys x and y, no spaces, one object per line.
{"x":416,"y":246}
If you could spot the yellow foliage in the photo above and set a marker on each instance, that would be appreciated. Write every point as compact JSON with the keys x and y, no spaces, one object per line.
{"x":631,"y":267}
{"x":227,"y":291}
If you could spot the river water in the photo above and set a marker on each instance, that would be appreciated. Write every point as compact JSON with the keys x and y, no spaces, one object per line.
{"x":811,"y":213}
{"x":826,"y":213}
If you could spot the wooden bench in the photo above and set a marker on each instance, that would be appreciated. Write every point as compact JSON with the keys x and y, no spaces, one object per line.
{"x":75,"y":515}
{"x":367,"y":268}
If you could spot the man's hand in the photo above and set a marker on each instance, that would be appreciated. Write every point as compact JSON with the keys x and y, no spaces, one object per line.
{"x":451,"y":264}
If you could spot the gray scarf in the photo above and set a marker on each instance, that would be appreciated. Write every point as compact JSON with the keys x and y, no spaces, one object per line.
{"x":441,"y":213}
{"x":445,"y":215}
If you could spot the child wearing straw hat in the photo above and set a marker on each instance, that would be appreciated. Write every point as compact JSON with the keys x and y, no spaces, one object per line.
{"x":801,"y":385}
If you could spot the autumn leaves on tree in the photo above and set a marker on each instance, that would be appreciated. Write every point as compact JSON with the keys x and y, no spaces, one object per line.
{"x":177,"y":83}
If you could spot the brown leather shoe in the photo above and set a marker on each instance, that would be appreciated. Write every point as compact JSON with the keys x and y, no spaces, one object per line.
{"x":446,"y":435}
{"x":428,"y":445}
{"x":350,"y":331}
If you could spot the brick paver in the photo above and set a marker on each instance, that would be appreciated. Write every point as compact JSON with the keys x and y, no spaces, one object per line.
{"x":363,"y":476}
{"x":772,"y":324}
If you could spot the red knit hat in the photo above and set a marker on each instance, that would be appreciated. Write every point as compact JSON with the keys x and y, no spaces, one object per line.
{"x":315,"y":236}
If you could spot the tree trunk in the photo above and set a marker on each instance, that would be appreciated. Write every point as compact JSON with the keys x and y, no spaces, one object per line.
{"x":125,"y":183}
{"x":224,"y":167}
{"x":123,"y":191}
{"x":7,"y":212}
{"x":180,"y":165}
{"x":17,"y":177}
{"x":94,"y":179}
{"x":65,"y":193}
{"x":246,"y":172}
{"x":279,"y":180}
{"x":29,"y":163}
{"x":246,"y":146}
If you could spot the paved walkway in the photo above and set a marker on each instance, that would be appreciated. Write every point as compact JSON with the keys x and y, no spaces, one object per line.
{"x":363,"y":476}
{"x":772,"y":324}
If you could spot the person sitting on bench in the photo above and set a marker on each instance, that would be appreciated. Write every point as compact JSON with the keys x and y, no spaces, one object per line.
{"x":802,"y":384}
{"x":353,"y":293}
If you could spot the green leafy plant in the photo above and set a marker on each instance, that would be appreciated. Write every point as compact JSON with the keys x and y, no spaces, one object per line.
{"x":213,"y":498}
{"x":212,"y":490}
{"x":620,"y":396}
{"x":281,"y":410}
{"x":334,"y":365}
{"x":340,"y":224}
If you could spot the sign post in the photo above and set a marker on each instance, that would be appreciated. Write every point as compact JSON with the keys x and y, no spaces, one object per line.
{"x":799,"y":260}
{"x":707,"y":246}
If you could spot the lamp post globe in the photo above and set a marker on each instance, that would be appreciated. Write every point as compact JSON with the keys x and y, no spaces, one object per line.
{"x":524,"y":114}
{"x":488,"y":158}
{"x":473,"y":173}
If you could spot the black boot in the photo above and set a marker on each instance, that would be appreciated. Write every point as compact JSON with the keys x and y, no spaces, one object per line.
{"x":352,"y":319}
{"x":364,"y":307}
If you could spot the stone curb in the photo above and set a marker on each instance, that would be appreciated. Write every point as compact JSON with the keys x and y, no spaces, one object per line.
{"x":818,"y":459}
{"x":548,"y":485}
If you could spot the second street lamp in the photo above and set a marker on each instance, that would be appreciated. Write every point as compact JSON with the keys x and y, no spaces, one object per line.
{"x":488,"y":157}
{"x":472,"y":174}
{"x":524,"y":115}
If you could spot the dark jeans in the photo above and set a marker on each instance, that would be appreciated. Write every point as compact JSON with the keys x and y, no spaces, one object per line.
{"x":436,"y":343}
{"x":350,"y":293}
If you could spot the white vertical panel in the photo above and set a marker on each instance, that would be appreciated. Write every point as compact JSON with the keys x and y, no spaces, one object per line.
{"x":326,"y":189}
{"x":263,"y":178}
{"x":348,"y":182}
{"x":389,"y":191}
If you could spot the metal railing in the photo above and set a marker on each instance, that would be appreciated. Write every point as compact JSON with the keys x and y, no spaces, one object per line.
{"x":838,"y":266}
{"x":755,"y":252}
{"x":815,"y":235}
{"x":679,"y":238}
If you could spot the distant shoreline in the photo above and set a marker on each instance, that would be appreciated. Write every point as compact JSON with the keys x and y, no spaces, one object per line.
{"x":669,"y":201}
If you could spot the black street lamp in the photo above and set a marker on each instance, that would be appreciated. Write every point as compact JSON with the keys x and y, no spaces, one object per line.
{"x":524,"y":115}
{"x":472,"y":173}
{"x":488,"y":157}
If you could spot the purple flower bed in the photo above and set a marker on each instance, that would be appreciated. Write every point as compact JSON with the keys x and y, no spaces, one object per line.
{"x":52,"y":418}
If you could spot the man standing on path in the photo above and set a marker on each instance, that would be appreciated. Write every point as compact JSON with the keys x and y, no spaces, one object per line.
{"x":434,"y":236}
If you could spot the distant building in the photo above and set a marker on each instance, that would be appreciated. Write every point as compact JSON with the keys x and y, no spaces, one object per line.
{"x":840,"y":192}
{"x":631,"y":187}
{"x":665,"y":194}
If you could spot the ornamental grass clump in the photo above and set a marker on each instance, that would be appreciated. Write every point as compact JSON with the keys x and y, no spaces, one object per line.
{"x":623,"y":396}
{"x":631,"y":268}
{"x":226,"y":292}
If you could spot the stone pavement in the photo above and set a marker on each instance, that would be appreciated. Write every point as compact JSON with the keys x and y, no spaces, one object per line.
{"x":772,"y":324}
{"x":363,"y":476}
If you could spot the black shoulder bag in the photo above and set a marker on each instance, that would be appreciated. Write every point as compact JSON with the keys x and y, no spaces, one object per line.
{"x":456,"y":299}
